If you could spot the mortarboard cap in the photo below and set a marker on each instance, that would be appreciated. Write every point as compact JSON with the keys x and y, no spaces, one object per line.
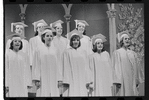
{"x":74,"y":32}
{"x":57,"y":23}
{"x":97,"y":37}
{"x":15,"y":36}
{"x":39,"y":23}
{"x":47,"y":29}
{"x":122,"y":34}
{"x":16,"y":24}
{"x":81,"y":22}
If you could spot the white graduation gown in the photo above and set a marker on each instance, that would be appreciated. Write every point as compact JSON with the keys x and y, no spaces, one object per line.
{"x":18,"y":75}
{"x":74,"y":72}
{"x":61,"y":45}
{"x":86,"y":45}
{"x":46,"y":70}
{"x":126,"y":71}
{"x":101,"y":72}
{"x":34,"y":44}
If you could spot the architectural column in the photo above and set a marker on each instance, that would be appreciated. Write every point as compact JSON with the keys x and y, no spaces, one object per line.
{"x":22,"y":14}
{"x":67,"y":15}
{"x":112,"y":27}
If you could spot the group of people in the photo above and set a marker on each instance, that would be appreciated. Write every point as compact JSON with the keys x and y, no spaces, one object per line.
{"x":73,"y":66}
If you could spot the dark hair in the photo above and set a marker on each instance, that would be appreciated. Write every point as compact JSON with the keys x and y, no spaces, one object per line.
{"x":42,"y":37}
{"x":36,"y":33}
{"x":121,"y":42}
{"x":95,"y":48}
{"x":11,"y":45}
{"x":75,"y":37}
{"x":84,"y":33}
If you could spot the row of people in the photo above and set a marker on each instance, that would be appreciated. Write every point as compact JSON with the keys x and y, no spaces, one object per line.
{"x":57,"y":61}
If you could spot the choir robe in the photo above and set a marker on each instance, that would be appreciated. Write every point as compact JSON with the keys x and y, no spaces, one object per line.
{"x":126,"y":71}
{"x":86,"y":46}
{"x":25,"y":48}
{"x":101,"y":74}
{"x":61,"y":44}
{"x":74,"y":72}
{"x":18,"y":75}
{"x":34,"y":44}
{"x":46,"y":70}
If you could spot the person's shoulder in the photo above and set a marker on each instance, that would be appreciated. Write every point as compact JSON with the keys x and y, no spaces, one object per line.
{"x":85,"y":36}
{"x":105,"y":52}
{"x":32,"y":38}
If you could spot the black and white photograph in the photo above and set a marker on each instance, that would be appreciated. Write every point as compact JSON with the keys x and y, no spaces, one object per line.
{"x":74,"y":50}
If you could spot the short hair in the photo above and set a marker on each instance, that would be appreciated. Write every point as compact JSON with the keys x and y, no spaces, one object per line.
{"x":11,"y":45}
{"x":95,"y":48}
{"x":84,"y":33}
{"x":75,"y":37}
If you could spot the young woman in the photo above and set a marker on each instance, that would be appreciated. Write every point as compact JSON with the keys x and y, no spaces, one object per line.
{"x":46,"y":71}
{"x":74,"y":69}
{"x":125,"y":67}
{"x":86,"y":46}
{"x":35,"y":41}
{"x":101,"y":69}
{"x":19,"y":29}
{"x":18,"y":74}
{"x":59,"y":42}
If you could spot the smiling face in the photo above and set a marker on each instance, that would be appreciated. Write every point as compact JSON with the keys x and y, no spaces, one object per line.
{"x":40,"y":28}
{"x":19,"y":29}
{"x":16,"y":44}
{"x":59,"y":30}
{"x":75,"y":41}
{"x":81,"y":28}
{"x":99,"y":44}
{"x":126,"y":41}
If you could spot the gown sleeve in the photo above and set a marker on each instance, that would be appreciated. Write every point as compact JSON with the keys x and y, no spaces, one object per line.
{"x":36,"y":73}
{"x":116,"y":63}
{"x":28,"y":72}
{"x":6,"y":71}
{"x":66,"y":68}
{"x":31,"y":51}
{"x":91,"y":68}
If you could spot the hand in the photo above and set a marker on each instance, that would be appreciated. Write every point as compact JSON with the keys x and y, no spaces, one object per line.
{"x":60,"y":83}
{"x":87,"y":85}
{"x":118,"y":85}
{"x":7,"y":89}
{"x":29,"y":87}
{"x":37,"y":83}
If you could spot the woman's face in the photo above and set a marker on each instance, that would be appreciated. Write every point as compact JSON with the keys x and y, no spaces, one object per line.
{"x":16,"y":44}
{"x":19,"y":29}
{"x":48,"y":37}
{"x":59,"y":30}
{"x":99,"y":44}
{"x":40,"y":28}
{"x":81,"y":28}
{"x":75,"y":42}
{"x":126,"y":41}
